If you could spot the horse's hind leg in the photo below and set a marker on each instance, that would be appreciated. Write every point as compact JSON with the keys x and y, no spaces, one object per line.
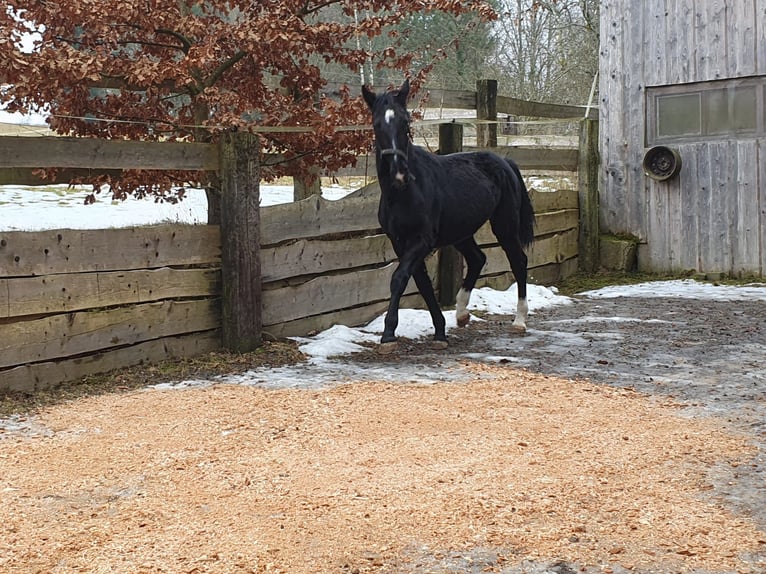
{"x":518,"y":260}
{"x":475,"y":260}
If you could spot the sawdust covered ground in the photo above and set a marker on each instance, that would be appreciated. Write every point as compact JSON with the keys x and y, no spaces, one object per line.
{"x":507,"y":465}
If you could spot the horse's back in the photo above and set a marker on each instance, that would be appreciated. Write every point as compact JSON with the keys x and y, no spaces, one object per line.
{"x":479,"y":186}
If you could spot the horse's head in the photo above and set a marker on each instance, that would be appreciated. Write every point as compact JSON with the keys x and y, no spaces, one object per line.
{"x":391,"y":123}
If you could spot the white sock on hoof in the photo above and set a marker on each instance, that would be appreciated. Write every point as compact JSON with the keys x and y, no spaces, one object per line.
{"x":520,"y":322}
{"x":461,"y":304}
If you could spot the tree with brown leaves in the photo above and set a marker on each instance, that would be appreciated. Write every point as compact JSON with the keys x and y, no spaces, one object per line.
{"x":189,"y":69}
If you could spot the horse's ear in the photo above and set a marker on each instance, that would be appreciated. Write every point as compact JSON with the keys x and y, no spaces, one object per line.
{"x":404,"y":92}
{"x":369,"y":96}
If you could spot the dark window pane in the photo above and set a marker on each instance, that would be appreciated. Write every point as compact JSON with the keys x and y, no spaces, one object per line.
{"x":731,"y":110}
{"x":679,"y":115}
{"x":717,"y":112}
{"x":744,"y":109}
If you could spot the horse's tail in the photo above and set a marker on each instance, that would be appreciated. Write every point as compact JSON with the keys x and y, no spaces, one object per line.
{"x":526,"y":212}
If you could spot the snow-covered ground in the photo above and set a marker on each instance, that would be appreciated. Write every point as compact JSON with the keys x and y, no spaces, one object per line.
{"x":326,"y":349}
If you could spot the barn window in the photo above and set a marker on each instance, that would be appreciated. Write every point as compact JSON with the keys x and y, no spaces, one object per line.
{"x":710,"y":110}
{"x":679,"y":115}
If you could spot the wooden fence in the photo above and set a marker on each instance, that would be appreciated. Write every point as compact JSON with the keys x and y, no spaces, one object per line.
{"x":77,"y":302}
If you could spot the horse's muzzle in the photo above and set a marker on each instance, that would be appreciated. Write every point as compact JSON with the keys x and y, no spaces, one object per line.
{"x":399,"y":169}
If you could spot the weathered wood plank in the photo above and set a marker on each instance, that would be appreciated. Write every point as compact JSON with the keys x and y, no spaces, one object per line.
{"x":93,"y":153}
{"x":517,"y":107}
{"x":240,"y":242}
{"x":546,"y":223}
{"x":761,"y":199}
{"x":587,"y":178}
{"x":760,"y":37}
{"x":689,"y":250}
{"x":656,"y":43}
{"x":333,"y":292}
{"x":715,"y":170}
{"x":555,"y":158}
{"x":681,"y":62}
{"x":449,"y":99}
{"x":553,"y":249}
{"x":353,"y":317}
{"x":549,"y":275}
{"x":740,"y":24}
{"x":28,"y":175}
{"x":710,"y":28}
{"x":307,"y":257}
{"x":537,"y":158}
{"x":64,"y":293}
{"x":747,"y":233}
{"x":24,"y":253}
{"x":316,"y":217}
{"x":38,"y":376}
{"x":72,"y":334}
{"x":543,"y":201}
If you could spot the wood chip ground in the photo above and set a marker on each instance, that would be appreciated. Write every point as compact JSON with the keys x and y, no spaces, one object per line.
{"x":362,"y":477}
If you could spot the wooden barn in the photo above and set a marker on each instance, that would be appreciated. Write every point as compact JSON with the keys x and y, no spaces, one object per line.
{"x":683,"y":132}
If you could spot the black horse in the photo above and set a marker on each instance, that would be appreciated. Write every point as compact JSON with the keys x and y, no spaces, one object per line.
{"x":428,"y":201}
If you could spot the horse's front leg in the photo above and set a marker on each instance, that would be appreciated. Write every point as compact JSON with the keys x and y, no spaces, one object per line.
{"x":426,"y":288}
{"x":399,"y":281}
{"x":408,"y":261}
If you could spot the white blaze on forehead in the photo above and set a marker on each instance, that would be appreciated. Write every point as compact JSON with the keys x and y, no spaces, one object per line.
{"x":389,"y":115}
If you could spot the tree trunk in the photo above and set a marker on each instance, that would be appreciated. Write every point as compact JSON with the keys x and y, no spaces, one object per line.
{"x":307,"y":184}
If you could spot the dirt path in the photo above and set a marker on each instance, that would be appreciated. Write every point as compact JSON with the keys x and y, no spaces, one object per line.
{"x":492,"y":457}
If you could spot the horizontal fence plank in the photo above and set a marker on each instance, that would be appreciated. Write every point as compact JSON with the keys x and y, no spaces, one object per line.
{"x":94,"y":153}
{"x":353,"y":317}
{"x":543,"y":201}
{"x":316,"y":216}
{"x":64,"y":293}
{"x":528,"y":158}
{"x":307,"y":257}
{"x":517,"y":107}
{"x":332,"y":293}
{"x":447,"y":99}
{"x":546,"y":223}
{"x":37,"y":376}
{"x":29,"y":175}
{"x":537,"y":158}
{"x":552,"y":249}
{"x":72,"y":334}
{"x":24,"y":253}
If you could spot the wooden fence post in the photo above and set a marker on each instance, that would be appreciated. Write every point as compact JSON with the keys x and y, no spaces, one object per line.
{"x":587,"y":176}
{"x":486,"y":109}
{"x":450,"y":261}
{"x":242,"y":320}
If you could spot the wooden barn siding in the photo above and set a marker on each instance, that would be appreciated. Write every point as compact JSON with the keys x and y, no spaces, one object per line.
{"x":72,"y":305}
{"x":712,"y":217}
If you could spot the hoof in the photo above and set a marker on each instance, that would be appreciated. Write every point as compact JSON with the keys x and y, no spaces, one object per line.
{"x":387,"y":348}
{"x":439,"y":345}
{"x":462,"y":320}
{"x":518,"y":328}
